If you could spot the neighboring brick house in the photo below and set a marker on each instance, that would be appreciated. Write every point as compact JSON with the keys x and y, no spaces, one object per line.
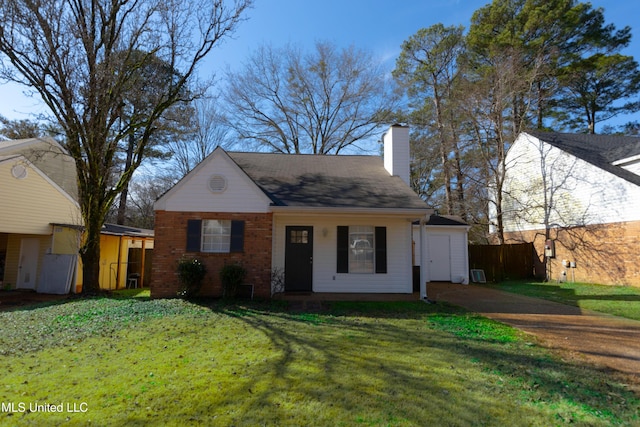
{"x":581,"y":192}
{"x":328,"y":223}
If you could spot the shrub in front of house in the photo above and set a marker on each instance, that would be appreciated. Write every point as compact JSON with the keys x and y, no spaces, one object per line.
{"x":232,"y":276}
{"x":191,"y":272}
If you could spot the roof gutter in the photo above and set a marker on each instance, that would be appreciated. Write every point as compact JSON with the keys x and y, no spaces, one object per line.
{"x":416,"y":213}
{"x":627,"y":161}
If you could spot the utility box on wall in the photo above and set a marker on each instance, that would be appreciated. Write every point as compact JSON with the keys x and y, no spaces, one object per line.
{"x":549,"y":249}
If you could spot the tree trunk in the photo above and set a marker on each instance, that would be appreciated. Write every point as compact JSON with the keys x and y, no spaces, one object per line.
{"x":540,"y":112}
{"x":460,"y":199}
{"x":122,"y":206}
{"x":444,"y":153}
{"x":90,"y":254}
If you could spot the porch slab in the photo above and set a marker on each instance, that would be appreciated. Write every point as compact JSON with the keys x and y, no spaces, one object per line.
{"x":339,"y":296}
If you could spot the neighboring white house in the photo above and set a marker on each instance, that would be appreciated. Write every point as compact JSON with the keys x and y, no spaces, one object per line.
{"x":338,"y":224}
{"x":582,"y":192}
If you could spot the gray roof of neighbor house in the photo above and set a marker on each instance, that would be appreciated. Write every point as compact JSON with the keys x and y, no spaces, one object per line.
{"x":599,"y":150}
{"x":115,"y":229}
{"x":123,"y":230}
{"x":48,"y":156}
{"x":305,"y":180}
{"x":452,"y":220}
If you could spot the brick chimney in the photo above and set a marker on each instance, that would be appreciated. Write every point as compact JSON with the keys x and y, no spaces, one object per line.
{"x":396,"y":151}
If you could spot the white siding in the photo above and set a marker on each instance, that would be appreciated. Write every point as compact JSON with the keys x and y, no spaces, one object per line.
{"x":459,"y":257}
{"x":398,"y":278}
{"x":396,"y":152}
{"x":192,"y":194}
{"x":458,"y":251}
{"x":577,"y":192}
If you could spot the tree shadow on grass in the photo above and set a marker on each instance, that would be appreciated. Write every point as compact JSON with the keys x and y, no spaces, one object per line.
{"x":387,"y":363}
{"x":385,"y":366}
{"x":566,"y":295}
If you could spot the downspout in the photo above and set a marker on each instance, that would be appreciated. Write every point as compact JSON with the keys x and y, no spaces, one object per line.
{"x":465,"y":278}
{"x":118,"y":263}
{"x":423,"y":262}
{"x":144,"y":241}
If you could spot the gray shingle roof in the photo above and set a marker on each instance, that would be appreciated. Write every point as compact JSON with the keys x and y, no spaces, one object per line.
{"x":304,"y":180}
{"x":123,"y":230}
{"x":599,"y":150}
{"x":445,"y":220}
{"x":48,"y":156}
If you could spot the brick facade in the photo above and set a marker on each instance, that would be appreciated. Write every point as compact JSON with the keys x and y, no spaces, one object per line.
{"x":607,"y":254}
{"x":170,"y":244}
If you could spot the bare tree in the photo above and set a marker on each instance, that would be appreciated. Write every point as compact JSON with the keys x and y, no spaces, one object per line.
{"x":144,"y":192}
{"x":499,"y":98}
{"x":321,"y":102}
{"x":80,"y":56}
{"x":207,"y":130}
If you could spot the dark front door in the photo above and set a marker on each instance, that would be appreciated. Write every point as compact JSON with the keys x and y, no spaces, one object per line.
{"x":298,"y":259}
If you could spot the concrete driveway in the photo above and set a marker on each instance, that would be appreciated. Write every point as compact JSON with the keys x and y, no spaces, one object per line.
{"x":605,"y":340}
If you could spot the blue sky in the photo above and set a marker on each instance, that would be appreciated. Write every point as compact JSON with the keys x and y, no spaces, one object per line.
{"x":376,"y":25}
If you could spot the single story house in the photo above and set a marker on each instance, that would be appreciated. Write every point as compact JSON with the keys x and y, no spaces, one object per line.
{"x":577,"y":198}
{"x":332,"y":224}
{"x":41,"y":225}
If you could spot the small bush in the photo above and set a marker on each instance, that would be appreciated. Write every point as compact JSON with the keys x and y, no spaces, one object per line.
{"x":191,"y":272}
{"x":232,"y":276}
{"x":277,"y":280}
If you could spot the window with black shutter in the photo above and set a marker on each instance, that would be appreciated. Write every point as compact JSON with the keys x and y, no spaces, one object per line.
{"x":194,"y":230}
{"x":381,"y":249}
{"x":217,"y":236}
{"x":343,"y":249}
{"x":361,"y":249}
{"x":237,"y":236}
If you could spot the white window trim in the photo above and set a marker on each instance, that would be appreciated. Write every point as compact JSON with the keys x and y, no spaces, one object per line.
{"x":370,"y":230}
{"x":216,"y":247}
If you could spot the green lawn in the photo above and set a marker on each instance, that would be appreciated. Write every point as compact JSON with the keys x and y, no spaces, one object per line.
{"x":617,"y":300}
{"x":134,"y":361}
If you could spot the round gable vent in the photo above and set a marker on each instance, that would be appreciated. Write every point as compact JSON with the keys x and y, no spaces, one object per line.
{"x":19,"y":171}
{"x":217,"y":184}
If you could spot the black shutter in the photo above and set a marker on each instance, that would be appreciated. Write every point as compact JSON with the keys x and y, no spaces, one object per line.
{"x":237,"y":236}
{"x":343,"y":249}
{"x":194,"y":230}
{"x":381,"y":249}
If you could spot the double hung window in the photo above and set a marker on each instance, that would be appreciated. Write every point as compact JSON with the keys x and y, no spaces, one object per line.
{"x":362,"y":249}
{"x":215,"y":235}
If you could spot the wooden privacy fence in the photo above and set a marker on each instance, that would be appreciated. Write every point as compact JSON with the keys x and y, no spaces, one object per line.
{"x":503,"y":262}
